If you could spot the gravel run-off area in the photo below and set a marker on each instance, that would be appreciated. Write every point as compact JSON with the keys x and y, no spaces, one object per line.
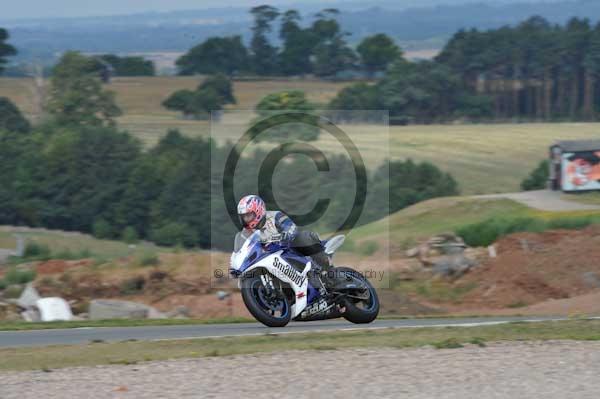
{"x":556,"y":369}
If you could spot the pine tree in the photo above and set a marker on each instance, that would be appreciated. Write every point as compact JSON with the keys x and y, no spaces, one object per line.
{"x":264,"y":55}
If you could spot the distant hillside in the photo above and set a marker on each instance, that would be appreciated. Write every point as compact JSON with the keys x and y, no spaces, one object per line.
{"x":415,"y":28}
{"x":26,"y":11}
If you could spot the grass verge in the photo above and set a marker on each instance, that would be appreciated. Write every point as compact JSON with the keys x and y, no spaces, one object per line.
{"x":132,"y":352}
{"x":56,"y":244}
{"x":25,"y":326}
{"x":483,"y":219}
{"x":486,"y":232}
{"x":590,"y":198}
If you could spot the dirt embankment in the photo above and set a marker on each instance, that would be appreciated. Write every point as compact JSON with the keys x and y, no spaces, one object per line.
{"x":557,"y":267}
{"x":177,"y":280}
{"x":555,"y":272}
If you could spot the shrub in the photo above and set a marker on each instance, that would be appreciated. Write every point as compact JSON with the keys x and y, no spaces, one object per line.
{"x":221,"y":85}
{"x":358,"y":96}
{"x":180,"y":101}
{"x":36,"y":250}
{"x":573,"y":222}
{"x":102,"y":229}
{"x":478,"y":341}
{"x":173,"y":234}
{"x":13,"y":291}
{"x":404,"y":183}
{"x":149,"y":259}
{"x":11,"y":118}
{"x":211,"y":95}
{"x":450,"y":343}
{"x":16,"y":276}
{"x":133,"y":285}
{"x":295,"y":129}
{"x":485,"y":233}
{"x":538,"y":178}
{"x":158,"y":275}
{"x":130,"y":235}
{"x":517,"y":304}
{"x":65,"y":254}
{"x":85,"y":253}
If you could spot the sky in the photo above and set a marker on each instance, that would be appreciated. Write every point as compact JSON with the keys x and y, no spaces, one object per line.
{"x":13,"y":9}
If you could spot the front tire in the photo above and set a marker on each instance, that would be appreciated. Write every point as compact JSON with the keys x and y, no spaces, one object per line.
{"x":359,"y":311}
{"x":270,"y":307}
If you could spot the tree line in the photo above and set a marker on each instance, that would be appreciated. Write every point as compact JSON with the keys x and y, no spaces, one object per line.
{"x":533,"y":71}
{"x":99,"y":180}
{"x":127,"y":65}
{"x":536,"y":70}
{"x":423,"y":25}
{"x":108,"y":63}
{"x":319,"y":48}
{"x":6,"y":49}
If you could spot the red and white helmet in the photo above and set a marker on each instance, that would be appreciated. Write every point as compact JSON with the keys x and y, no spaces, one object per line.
{"x":252,"y":212}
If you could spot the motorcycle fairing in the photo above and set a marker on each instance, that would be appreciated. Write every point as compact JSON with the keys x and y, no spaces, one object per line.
{"x":280,"y":268}
{"x":253,"y":256}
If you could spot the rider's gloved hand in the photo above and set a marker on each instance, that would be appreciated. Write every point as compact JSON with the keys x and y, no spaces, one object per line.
{"x":271,"y":239}
{"x":282,"y":238}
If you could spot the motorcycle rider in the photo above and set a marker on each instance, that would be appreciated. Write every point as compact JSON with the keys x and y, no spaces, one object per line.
{"x":277,"y":226}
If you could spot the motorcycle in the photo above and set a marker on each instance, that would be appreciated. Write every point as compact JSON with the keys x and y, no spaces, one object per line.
{"x":278,"y":285}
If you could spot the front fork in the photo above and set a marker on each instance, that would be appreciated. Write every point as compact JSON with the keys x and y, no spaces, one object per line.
{"x":267,"y":281}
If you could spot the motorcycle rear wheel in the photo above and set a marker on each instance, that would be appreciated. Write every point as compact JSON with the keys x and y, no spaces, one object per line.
{"x":359,"y":311}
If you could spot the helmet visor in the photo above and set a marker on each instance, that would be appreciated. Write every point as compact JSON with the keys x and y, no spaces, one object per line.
{"x":247,"y":218}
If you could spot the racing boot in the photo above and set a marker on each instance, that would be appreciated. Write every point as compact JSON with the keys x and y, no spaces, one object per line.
{"x":316,"y":280}
{"x":327,"y":271}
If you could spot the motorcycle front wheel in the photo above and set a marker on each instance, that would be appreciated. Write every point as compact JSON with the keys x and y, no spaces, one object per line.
{"x":267,"y":304}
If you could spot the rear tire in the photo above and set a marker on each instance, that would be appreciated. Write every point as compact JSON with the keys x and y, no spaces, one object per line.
{"x":360,"y":311}
{"x":261,"y":306}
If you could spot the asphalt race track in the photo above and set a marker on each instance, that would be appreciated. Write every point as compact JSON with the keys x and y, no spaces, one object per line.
{"x":108,"y":334}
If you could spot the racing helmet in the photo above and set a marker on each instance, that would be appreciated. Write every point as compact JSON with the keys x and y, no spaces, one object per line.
{"x":252,"y":212}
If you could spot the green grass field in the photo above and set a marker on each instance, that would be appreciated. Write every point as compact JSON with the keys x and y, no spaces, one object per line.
{"x":140,"y":98}
{"x":486,"y":158}
{"x":131,"y":352}
{"x":440,"y":215}
{"x":59,"y":241}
